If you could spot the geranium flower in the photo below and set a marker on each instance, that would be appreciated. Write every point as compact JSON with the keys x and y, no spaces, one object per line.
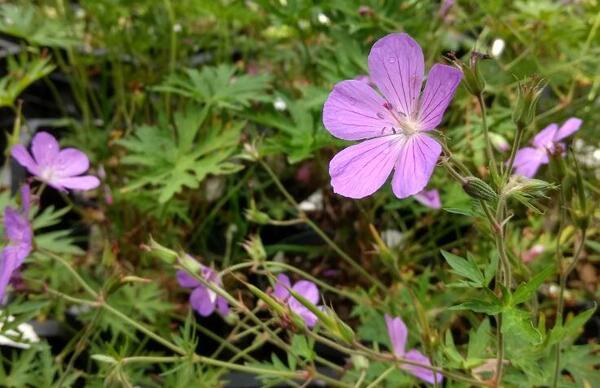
{"x":19,"y":233}
{"x":398,"y":335}
{"x":393,"y":120}
{"x":430,"y":198}
{"x":58,"y":168}
{"x":306,"y":289}
{"x":529,"y":159}
{"x":204,"y":300}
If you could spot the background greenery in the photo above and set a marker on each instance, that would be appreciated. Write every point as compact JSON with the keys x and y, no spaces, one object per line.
{"x":171,"y":99}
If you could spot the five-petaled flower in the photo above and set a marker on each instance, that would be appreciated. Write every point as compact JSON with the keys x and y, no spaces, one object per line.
{"x":58,"y":168}
{"x":308,"y":290}
{"x":204,"y":300}
{"x":398,"y":335}
{"x":19,"y":233}
{"x":393,"y":120}
{"x":546,"y":143}
{"x":429,"y":198}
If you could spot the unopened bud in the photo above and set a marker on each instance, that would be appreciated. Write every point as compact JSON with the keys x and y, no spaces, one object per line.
{"x":529,"y":92}
{"x":499,"y":142}
{"x":255,"y":215}
{"x":478,"y":189}
{"x":255,"y":248}
{"x":360,"y":362}
{"x":160,"y":252}
{"x":473,"y":80}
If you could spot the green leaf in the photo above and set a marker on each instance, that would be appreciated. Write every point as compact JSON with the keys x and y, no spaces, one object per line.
{"x":517,"y":323}
{"x":571,"y":328}
{"x":464,"y":267}
{"x":301,"y":346}
{"x":479,"y":340}
{"x":524,"y":292}
{"x":480,"y":306}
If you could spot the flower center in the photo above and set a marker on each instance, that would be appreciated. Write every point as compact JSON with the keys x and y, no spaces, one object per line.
{"x":47,"y":174}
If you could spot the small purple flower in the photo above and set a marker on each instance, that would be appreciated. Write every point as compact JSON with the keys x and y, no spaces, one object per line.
{"x":203,"y":299}
{"x":393,"y":120}
{"x":398,"y":334}
{"x":529,"y":159}
{"x":429,"y":198}
{"x":58,"y":168}
{"x":19,"y":233}
{"x":306,"y":289}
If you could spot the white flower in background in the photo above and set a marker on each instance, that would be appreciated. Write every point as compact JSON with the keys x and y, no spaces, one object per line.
{"x":24,"y":331}
{"x":313,"y":203}
{"x":588,"y":155}
{"x":393,"y":238}
{"x":323,"y":19}
{"x":497,"y":47}
{"x":177,"y":27}
{"x":279,"y":104}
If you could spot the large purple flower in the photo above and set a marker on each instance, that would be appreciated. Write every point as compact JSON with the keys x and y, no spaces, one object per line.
{"x":398,"y":335}
{"x":304,"y":288}
{"x":19,"y":233}
{"x":58,"y":168}
{"x":393,"y":120}
{"x":529,"y":159}
{"x":204,"y":300}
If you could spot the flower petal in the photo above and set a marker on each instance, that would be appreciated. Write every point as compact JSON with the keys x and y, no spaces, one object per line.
{"x":568,"y":128}
{"x":222,"y":306}
{"x":441,"y":85}
{"x":545,"y":138}
{"x":424,"y":374}
{"x":186,"y":280}
{"x":415,"y":164}
{"x":429,"y":198}
{"x":308,"y":290}
{"x":308,"y":316}
{"x":355,"y":111}
{"x":7,"y":267}
{"x":201,"y":301}
{"x":71,"y":162}
{"x":528,"y":160}
{"x":398,"y":333}
{"x":280,"y":290}
{"x":361,"y":169}
{"x":85,"y":182}
{"x":396,"y":67}
{"x":44,"y":148}
{"x":21,"y":155}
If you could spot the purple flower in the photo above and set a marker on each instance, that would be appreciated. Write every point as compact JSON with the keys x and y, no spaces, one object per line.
{"x":393,"y":120}
{"x":203,"y":299}
{"x":429,"y":198}
{"x":58,"y":168}
{"x":529,"y":159}
{"x":19,"y":233}
{"x":398,"y":334}
{"x":306,"y":289}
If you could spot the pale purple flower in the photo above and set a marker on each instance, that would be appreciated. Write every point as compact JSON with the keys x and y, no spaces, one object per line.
{"x":529,"y":159}
{"x":304,"y":288}
{"x":58,"y":168}
{"x":398,"y":335}
{"x":204,"y":300}
{"x":530,"y":254}
{"x":445,"y":8}
{"x":19,"y":234}
{"x":394,"y":120}
{"x":430,"y":198}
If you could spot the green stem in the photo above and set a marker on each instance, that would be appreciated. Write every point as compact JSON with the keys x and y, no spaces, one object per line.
{"x":320,"y":232}
{"x":77,"y":277}
{"x":561,"y":303}
{"x":382,"y":377}
{"x":486,"y":134}
{"x":513,"y":153}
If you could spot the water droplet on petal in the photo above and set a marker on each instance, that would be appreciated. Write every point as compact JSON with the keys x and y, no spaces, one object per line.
{"x":392,"y":59}
{"x":380,"y":115}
